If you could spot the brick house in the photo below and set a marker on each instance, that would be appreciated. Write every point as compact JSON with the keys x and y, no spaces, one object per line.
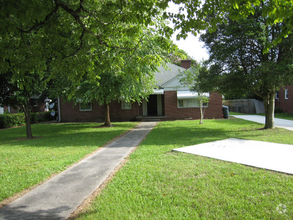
{"x":168,"y":102}
{"x":284,"y":99}
{"x":37,"y":105}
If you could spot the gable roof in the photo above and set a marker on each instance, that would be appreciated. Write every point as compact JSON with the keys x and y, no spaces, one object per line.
{"x":163,"y":76}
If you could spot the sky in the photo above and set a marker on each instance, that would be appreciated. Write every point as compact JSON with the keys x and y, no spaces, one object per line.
{"x":191,"y":44}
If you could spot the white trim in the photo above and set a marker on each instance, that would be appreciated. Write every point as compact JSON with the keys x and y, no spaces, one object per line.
{"x":158,"y":92}
{"x":190,"y":95}
{"x":286,"y":94}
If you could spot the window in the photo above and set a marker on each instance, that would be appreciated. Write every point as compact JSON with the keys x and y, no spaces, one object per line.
{"x":125,"y":105}
{"x":85,"y":106}
{"x":190,"y":103}
{"x":35,"y":102}
{"x":277,"y":95}
{"x":286,"y":93}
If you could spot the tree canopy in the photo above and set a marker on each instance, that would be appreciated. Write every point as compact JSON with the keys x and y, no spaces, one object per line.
{"x":239,"y":64}
{"x":70,"y":35}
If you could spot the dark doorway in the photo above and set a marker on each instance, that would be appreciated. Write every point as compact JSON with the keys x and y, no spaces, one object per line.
{"x":152,"y":105}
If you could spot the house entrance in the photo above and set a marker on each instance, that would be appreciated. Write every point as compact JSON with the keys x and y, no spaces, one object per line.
{"x":154,"y":106}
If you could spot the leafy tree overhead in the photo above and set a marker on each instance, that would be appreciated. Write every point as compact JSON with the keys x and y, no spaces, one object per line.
{"x":71,"y":34}
{"x":239,"y":64}
{"x":128,"y":77}
{"x":192,"y":15}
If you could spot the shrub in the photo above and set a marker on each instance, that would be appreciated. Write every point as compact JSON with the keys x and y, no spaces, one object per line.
{"x":9,"y":120}
{"x":45,"y":116}
{"x":33,"y":118}
{"x":278,"y":110}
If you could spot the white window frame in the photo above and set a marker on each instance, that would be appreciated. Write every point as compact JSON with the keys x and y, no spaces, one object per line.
{"x":126,"y":105}
{"x":85,"y":109}
{"x":277,"y":95}
{"x":190,"y":103}
{"x":286,"y":94}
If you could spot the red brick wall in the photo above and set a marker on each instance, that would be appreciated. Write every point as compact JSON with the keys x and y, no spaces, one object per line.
{"x":285,"y":104}
{"x":214,"y":109}
{"x":39,"y":108}
{"x":185,"y":63}
{"x":71,"y":113}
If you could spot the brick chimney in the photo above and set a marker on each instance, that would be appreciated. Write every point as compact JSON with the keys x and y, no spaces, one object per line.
{"x":186,"y":63}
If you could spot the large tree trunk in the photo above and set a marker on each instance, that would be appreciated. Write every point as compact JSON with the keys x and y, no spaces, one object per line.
{"x":269,"y":103}
{"x":27,"y":114}
{"x":107,"y":115}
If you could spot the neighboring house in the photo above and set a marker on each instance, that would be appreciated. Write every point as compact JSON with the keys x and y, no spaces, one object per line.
{"x":166,"y":103}
{"x":284,"y":99}
{"x":37,"y":105}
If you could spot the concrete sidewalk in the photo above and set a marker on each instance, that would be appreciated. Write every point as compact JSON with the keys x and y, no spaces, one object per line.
{"x":60,"y":196}
{"x":282,"y":123}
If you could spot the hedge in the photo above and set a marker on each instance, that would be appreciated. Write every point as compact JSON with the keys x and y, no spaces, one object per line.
{"x":10,"y":120}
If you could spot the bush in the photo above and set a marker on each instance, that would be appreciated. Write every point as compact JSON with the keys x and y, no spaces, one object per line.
{"x":278,"y":110}
{"x":45,"y":116}
{"x":10,"y":120}
{"x":33,"y":118}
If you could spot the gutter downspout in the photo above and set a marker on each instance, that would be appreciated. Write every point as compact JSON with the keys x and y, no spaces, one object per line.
{"x":59,"y":110}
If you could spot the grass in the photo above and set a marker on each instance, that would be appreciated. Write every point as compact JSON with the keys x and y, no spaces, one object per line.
{"x":288,"y":116}
{"x":24,"y":162}
{"x":158,"y":183}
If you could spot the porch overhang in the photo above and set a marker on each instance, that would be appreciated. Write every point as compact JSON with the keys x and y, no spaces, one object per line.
{"x":190,"y":95}
{"x":158,"y":92}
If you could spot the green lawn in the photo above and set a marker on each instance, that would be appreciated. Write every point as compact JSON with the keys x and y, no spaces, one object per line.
{"x":157,"y":183}
{"x":287,"y":116}
{"x":24,"y":163}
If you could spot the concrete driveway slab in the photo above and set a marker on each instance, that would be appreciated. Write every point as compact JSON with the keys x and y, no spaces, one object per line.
{"x":271,"y":156}
{"x":282,"y":123}
{"x":60,"y":196}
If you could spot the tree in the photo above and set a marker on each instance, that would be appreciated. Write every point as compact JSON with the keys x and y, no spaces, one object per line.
{"x":128,"y":77}
{"x":239,"y":63}
{"x":192,"y":15}
{"x":193,"y":78}
{"x":17,"y":94}
{"x":71,"y":34}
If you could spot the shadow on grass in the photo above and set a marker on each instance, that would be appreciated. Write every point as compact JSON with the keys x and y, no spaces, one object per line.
{"x":67,"y":133}
{"x":190,"y":132}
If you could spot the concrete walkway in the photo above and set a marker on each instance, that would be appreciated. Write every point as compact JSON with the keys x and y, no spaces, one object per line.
{"x":282,"y":123}
{"x":60,"y":196}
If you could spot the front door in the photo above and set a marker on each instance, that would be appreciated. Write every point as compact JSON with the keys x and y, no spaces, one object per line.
{"x":152,"y":105}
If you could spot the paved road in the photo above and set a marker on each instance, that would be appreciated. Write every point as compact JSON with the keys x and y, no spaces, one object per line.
{"x":60,"y":196}
{"x":282,"y":123}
